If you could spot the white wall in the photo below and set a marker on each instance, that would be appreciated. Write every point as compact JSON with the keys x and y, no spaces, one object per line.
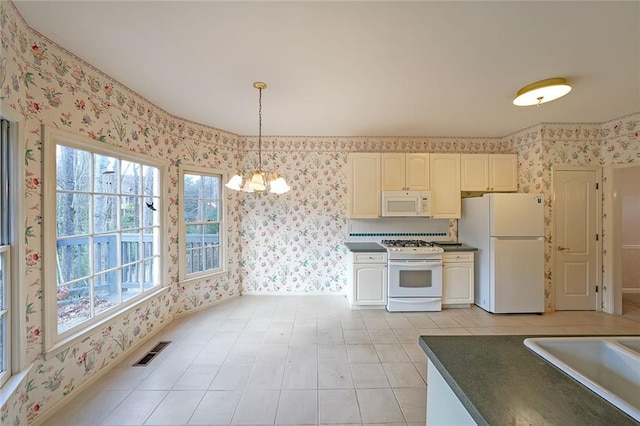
{"x":630,"y":229}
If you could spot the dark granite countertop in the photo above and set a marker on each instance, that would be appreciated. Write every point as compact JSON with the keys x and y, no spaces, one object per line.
{"x":365,"y":247}
{"x":501,"y":382}
{"x":451,"y":246}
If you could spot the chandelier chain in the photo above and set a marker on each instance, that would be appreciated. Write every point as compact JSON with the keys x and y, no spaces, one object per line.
{"x":260,"y":128}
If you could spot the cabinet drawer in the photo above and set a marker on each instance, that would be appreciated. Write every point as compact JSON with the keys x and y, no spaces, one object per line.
{"x":458,"y":257}
{"x":370,"y":258}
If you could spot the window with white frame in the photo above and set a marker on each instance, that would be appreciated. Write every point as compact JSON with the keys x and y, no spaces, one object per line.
{"x":5,"y":251}
{"x":201,"y":233}
{"x":105,"y":250}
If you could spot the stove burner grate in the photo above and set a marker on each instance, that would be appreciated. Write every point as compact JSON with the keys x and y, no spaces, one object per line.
{"x":406,"y":243}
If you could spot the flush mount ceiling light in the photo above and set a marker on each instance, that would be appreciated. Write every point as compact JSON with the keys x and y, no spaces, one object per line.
{"x":260,"y":180}
{"x":541,"y":92}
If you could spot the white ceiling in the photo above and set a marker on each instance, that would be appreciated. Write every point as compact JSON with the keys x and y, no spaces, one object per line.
{"x":358,"y":68}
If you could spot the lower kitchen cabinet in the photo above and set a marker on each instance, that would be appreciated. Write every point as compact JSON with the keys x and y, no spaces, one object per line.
{"x":367,"y":280}
{"x":457,"y":279}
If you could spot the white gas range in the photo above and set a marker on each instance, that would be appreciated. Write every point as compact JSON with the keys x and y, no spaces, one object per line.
{"x":415,"y":276}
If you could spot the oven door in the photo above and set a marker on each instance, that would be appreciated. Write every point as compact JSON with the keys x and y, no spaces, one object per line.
{"x":415,"y":278}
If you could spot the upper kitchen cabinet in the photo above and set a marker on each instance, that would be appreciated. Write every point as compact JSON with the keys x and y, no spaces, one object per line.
{"x":489,"y":172}
{"x":503,"y":172}
{"x":363,"y":185}
{"x":402,"y":172}
{"x":445,"y":186}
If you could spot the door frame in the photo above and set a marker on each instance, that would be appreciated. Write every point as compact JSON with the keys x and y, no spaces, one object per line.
{"x":613,"y":299}
{"x":600,"y":300}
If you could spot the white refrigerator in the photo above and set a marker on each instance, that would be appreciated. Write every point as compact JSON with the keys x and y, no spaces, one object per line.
{"x":508,"y":231}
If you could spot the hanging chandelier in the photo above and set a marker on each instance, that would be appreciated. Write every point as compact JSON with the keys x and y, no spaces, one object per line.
{"x":260,"y":180}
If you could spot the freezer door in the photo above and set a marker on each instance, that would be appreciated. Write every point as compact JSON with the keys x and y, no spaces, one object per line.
{"x":517,"y":275}
{"x":516,"y":215}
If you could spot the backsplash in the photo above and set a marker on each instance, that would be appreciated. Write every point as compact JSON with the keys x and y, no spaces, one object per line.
{"x":374,"y":230}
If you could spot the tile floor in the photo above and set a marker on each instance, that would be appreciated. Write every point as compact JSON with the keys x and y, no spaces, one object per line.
{"x":296,"y":360}
{"x":631,"y":305}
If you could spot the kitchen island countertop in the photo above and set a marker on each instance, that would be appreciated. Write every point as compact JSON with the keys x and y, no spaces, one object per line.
{"x":501,"y":382}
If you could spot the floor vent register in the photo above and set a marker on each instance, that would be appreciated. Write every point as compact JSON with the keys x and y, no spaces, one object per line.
{"x":145,"y":360}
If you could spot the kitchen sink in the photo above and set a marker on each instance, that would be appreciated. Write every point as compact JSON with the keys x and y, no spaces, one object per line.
{"x":608,"y":366}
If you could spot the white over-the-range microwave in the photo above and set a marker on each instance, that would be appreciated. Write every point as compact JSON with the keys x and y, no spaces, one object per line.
{"x":406,"y":203}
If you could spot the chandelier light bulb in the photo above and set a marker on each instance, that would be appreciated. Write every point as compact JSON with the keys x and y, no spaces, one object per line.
{"x":235,"y":182}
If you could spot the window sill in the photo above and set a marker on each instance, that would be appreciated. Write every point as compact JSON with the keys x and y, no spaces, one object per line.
{"x":198,"y":278}
{"x":71,"y":340}
{"x":12,"y":385}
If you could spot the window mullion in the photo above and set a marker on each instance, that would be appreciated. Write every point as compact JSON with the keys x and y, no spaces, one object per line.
{"x":6,"y":238}
{"x":141,"y":262}
{"x":91,"y":233}
{"x":4,"y":183}
{"x":118,"y":247}
{"x":5,"y":316}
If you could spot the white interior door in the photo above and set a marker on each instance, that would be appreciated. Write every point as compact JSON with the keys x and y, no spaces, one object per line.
{"x":575,"y":240}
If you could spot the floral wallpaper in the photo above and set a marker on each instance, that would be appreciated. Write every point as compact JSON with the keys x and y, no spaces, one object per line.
{"x":48,"y":86}
{"x":541,"y":147}
{"x":294,"y":242}
{"x":621,"y":140}
{"x":290,"y":243}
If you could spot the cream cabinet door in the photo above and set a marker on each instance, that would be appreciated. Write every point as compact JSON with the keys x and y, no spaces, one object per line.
{"x":503,"y":172}
{"x":474,"y":172}
{"x":393,"y":171}
{"x":417,"y":172}
{"x":370,"y":284}
{"x":405,"y":172}
{"x":363,"y":185}
{"x":445,"y":185}
{"x":457,"y":283}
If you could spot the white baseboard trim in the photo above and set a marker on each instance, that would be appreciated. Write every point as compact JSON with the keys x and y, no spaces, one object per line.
{"x":204,"y":306}
{"x":288,"y":293}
